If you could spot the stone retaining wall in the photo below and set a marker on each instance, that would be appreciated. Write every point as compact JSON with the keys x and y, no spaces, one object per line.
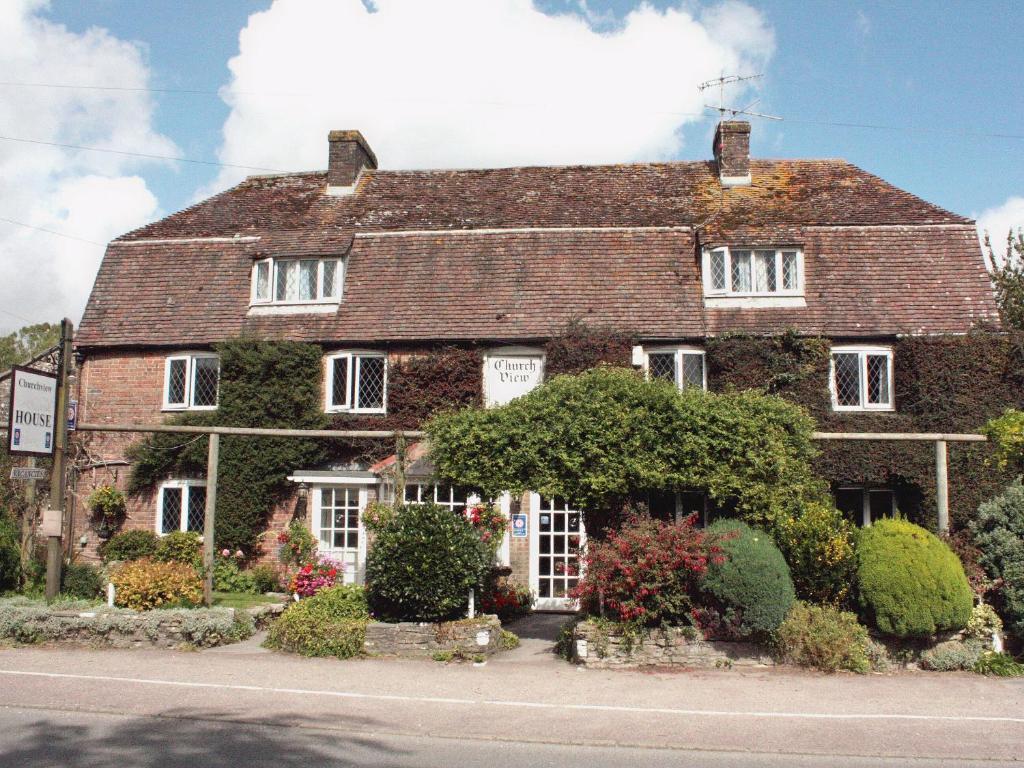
{"x":468,"y":638}
{"x":601,"y":646}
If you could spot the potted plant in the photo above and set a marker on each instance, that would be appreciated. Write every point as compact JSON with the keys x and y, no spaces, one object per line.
{"x":108,"y":507}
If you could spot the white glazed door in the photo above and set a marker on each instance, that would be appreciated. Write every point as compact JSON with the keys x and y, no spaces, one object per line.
{"x":338,"y":523}
{"x":557,"y":543}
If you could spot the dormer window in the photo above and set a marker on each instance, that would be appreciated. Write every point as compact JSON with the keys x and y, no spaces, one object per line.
{"x":297,"y":281}
{"x":753,"y":272}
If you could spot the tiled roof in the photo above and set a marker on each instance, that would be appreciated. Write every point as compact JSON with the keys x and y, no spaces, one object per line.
{"x":611,"y":245}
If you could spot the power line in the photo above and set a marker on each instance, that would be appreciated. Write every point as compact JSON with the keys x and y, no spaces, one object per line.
{"x":141,"y":154}
{"x":51,"y":232}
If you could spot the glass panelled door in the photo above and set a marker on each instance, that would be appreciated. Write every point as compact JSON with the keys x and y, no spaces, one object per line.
{"x":337,"y":514}
{"x":557,"y":542}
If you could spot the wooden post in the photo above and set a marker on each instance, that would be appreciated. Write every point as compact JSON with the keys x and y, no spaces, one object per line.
{"x":60,"y":438}
{"x":942,"y":485}
{"x":399,"y":469}
{"x":28,"y":519}
{"x":213,"y":459}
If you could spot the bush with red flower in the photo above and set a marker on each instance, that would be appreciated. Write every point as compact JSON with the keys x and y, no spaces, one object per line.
{"x":648,"y":572}
{"x":489,"y":523}
{"x":506,"y":601}
{"x":316,"y":575}
{"x":296,"y":544}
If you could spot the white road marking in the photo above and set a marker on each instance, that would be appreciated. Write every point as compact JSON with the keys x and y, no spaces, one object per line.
{"x":520,"y":704}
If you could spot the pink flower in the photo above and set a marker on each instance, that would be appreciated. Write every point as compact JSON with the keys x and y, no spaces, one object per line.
{"x":239,"y":554}
{"x":225,"y":552}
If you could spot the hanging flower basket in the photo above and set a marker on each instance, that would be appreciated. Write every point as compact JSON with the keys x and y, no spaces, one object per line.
{"x":108,"y":506}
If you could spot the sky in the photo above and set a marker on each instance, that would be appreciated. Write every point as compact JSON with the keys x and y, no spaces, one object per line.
{"x":923,"y":94}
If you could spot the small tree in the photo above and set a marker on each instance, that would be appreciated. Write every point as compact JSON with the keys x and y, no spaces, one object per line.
{"x":1007,"y":272}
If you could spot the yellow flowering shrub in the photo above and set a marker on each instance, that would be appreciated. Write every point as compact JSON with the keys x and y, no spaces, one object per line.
{"x":146,"y":584}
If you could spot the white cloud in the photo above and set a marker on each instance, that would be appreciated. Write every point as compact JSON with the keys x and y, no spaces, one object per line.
{"x":457,"y":83}
{"x":998,"y":222}
{"x":89,"y":195}
{"x":863,"y":22}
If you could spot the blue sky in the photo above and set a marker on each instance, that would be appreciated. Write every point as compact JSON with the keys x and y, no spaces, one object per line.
{"x":456,"y":83}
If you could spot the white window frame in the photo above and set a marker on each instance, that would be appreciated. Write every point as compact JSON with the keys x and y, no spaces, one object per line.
{"x":190,"y":372}
{"x":711,"y":291}
{"x":678,"y":351}
{"x":862,"y":365}
{"x":865,"y":501}
{"x":353,"y":356}
{"x":452,"y":502}
{"x":271,"y":299}
{"x":185,"y":486}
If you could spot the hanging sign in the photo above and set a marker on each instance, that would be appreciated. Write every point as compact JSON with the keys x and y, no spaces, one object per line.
{"x":519,"y":528}
{"x":29,"y":473}
{"x":72,"y":415}
{"x":33,"y":419}
{"x":506,"y":377}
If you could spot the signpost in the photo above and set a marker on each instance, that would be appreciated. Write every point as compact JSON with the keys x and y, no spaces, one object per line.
{"x":32,"y":423}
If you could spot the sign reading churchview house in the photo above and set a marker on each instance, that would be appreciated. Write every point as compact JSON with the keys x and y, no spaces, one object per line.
{"x":508,"y":376}
{"x":33,"y":417}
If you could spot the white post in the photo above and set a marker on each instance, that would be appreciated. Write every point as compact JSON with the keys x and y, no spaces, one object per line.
{"x":110,"y":595}
{"x":942,"y":485}
{"x":472,"y":607}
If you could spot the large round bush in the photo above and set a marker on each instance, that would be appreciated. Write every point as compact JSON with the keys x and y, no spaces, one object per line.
{"x":129,"y":545}
{"x":749,"y":593}
{"x":10,"y":552}
{"x":423,"y":562}
{"x":330,"y":623}
{"x":999,"y":533}
{"x":909,"y":583}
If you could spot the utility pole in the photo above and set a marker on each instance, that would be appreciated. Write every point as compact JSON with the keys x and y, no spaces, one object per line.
{"x":57,"y":490}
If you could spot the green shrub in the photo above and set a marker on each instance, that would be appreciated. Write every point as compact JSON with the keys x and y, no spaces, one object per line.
{"x":83,"y":581}
{"x":180,"y":547}
{"x":910,"y":584}
{"x":10,"y":552}
{"x":423,"y":562}
{"x":228,"y":577}
{"x":998,"y":664}
{"x":265,"y":578}
{"x":984,"y":623}
{"x":952,"y":656}
{"x":129,"y":545}
{"x":816,"y":541}
{"x":823,"y":637}
{"x":750,"y":592}
{"x":145,"y":584}
{"x":331,"y":623}
{"x":999,"y":532}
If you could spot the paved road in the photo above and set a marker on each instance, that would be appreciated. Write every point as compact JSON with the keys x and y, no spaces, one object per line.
{"x":241,"y":706}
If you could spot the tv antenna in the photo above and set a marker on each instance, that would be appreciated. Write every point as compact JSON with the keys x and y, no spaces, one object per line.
{"x":722,"y":109}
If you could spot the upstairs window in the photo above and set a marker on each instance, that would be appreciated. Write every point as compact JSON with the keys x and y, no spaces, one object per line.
{"x":181,"y":506}
{"x":357,"y":382}
{"x":297,"y":281}
{"x":753,"y":272}
{"x":191,"y":382}
{"x":861,"y":379}
{"x":684,"y":366}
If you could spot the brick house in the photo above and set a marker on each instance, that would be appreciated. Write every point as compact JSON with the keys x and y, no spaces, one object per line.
{"x":380,"y":266}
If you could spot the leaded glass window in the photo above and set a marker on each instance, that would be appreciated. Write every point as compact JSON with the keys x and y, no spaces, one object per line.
{"x":861,"y":379}
{"x":357,"y":382}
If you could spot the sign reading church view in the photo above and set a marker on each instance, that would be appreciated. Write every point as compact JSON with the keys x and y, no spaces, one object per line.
{"x":509,"y":375}
{"x":33,"y":417}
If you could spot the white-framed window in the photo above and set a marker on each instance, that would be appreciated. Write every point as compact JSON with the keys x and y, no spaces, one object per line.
{"x":860,"y":378}
{"x":454,"y":498}
{"x":357,"y":382}
{"x":682,"y":365}
{"x":753,"y":272}
{"x":181,"y":506}
{"x":297,"y":281}
{"x":866,"y":505}
{"x":191,"y":382}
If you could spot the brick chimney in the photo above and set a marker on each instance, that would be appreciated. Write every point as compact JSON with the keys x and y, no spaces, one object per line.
{"x":348,"y":155}
{"x":732,"y":152}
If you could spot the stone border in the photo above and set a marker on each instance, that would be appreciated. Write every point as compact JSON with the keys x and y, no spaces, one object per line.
{"x":602,"y":645}
{"x":465,"y":638}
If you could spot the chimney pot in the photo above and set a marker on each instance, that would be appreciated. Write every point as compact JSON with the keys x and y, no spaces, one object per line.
{"x":732,"y":152}
{"x":348,"y":154}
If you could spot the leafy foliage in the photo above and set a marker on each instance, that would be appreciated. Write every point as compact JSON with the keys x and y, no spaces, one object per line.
{"x":331,"y":623}
{"x":506,"y":601}
{"x":423,"y":562}
{"x":1007,"y":434}
{"x":823,"y":637}
{"x":146,"y":584}
{"x":999,"y":532}
{"x":82,"y":580}
{"x":1007,"y":273}
{"x":180,"y":547}
{"x":984,"y":623}
{"x":107,"y":502}
{"x":262,"y":384}
{"x":952,"y":656}
{"x":998,"y":665}
{"x":10,"y":552}
{"x":909,"y":583}
{"x":749,"y":592}
{"x":130,"y":545}
{"x":580,"y":347}
{"x":816,"y":542}
{"x":648,"y":572}
{"x":26,"y":343}
{"x":322,"y":573}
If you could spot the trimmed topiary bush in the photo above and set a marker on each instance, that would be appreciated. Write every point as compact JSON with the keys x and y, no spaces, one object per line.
{"x":423,"y":562}
{"x":331,"y":623}
{"x":129,"y":545}
{"x":825,"y":638}
{"x":909,"y":583}
{"x":180,"y":547}
{"x":10,"y":552}
{"x":999,"y":532}
{"x":82,"y":580}
{"x":145,"y":584}
{"x":749,"y":593}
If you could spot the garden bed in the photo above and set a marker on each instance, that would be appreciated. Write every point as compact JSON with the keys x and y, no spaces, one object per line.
{"x":466,"y":638}
{"x":24,"y":621}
